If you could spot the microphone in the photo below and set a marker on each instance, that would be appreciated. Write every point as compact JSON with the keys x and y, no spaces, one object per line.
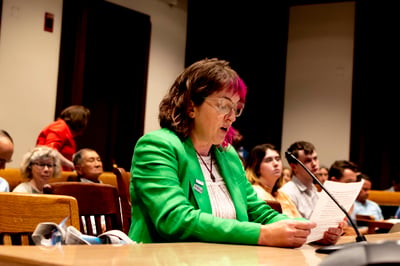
{"x":332,"y":248}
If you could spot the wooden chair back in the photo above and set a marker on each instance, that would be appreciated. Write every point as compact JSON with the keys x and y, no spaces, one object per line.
{"x":20,"y":213}
{"x":374,"y":226}
{"x":13,"y":177}
{"x":123,"y":180}
{"x":98,"y":204}
{"x":109,"y":178}
{"x":384,"y":198}
{"x":389,"y":201}
{"x":274,"y":204}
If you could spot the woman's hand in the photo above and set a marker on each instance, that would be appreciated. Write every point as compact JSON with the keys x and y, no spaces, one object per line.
{"x":332,"y":235}
{"x":285,"y":233}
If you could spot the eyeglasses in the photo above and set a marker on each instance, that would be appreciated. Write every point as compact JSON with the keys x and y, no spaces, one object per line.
{"x":225,"y":105}
{"x":43,"y":165}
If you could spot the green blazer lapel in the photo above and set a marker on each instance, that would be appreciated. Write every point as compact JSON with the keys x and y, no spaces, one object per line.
{"x":233,"y":182}
{"x":197,"y":183}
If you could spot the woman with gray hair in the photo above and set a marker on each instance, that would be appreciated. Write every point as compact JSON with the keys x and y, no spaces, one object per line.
{"x":37,"y":167}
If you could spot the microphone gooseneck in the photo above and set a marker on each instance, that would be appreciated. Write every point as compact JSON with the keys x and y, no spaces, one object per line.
{"x":359,"y":237}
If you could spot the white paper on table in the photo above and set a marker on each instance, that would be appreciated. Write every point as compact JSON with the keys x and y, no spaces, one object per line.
{"x":326,"y":213}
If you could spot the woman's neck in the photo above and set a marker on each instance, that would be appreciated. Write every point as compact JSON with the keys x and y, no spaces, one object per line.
{"x":38,"y":186}
{"x":201,"y":148}
{"x":266,"y":186}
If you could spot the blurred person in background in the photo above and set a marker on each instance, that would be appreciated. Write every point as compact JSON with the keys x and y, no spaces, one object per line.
{"x":60,"y":134}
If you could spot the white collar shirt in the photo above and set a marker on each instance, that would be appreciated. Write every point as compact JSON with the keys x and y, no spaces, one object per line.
{"x":303,"y":197}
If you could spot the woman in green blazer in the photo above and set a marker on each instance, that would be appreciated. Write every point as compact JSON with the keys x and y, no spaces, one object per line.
{"x":188,"y":183}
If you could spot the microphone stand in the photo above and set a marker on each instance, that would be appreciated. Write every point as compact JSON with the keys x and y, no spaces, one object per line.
{"x":330,"y":249}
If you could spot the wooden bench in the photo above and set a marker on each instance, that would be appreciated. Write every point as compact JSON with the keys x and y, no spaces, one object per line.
{"x":374,"y":226}
{"x":386,"y":198}
{"x":13,"y":177}
{"x":105,"y":177}
{"x":389,"y":201}
{"x":20,"y":213}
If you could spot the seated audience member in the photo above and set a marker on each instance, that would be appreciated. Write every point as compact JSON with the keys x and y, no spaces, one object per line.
{"x":397,"y":214}
{"x":60,"y":134}
{"x":301,"y":189}
{"x":395,"y":184}
{"x":88,"y":165}
{"x":363,"y":205}
{"x":322,"y":176}
{"x":286,"y":174}
{"x":343,"y":171}
{"x":237,"y":143}
{"x":6,"y":152}
{"x":37,"y":167}
{"x":346,"y":172}
{"x":264,"y":170}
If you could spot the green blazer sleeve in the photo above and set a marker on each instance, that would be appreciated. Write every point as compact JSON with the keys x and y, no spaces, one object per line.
{"x":170,"y":200}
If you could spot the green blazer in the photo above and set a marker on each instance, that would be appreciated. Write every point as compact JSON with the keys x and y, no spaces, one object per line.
{"x":170,"y":201}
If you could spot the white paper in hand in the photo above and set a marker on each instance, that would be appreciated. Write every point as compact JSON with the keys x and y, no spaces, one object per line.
{"x":326,"y":213}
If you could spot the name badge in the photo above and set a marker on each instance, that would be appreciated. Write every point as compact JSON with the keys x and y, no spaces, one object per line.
{"x":201,"y":183}
{"x":198,"y":188}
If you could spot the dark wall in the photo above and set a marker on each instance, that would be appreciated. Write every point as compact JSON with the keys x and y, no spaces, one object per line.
{"x":103,"y":66}
{"x":375,"y":108}
{"x":254,"y":39}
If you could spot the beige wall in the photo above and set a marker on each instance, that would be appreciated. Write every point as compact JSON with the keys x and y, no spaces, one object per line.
{"x":28,"y":70}
{"x":29,"y":63}
{"x":317,"y":104}
{"x":318,"y":82}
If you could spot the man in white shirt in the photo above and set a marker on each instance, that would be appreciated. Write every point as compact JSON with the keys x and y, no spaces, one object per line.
{"x":301,"y":188}
{"x":88,"y":165}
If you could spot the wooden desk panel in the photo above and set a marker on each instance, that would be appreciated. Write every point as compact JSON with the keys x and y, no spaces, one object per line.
{"x":158,"y":254}
{"x":169,"y":254}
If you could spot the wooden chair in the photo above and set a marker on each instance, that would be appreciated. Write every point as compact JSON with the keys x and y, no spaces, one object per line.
{"x":96,"y":202}
{"x":123,"y":180}
{"x":20,"y":213}
{"x":276,"y":205}
{"x":13,"y":177}
{"x":389,"y":201}
{"x":105,"y":177}
{"x":374,"y":226}
{"x":382,"y":197}
{"x":109,"y":178}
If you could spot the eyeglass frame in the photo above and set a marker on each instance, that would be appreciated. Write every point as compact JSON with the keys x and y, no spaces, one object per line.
{"x":42,"y":165}
{"x":234,"y":107}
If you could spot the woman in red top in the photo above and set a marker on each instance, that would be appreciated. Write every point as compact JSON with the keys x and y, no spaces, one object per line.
{"x":60,"y":134}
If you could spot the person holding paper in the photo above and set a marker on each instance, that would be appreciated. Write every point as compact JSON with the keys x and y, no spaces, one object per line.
{"x":363,"y":205}
{"x":188,"y":183}
{"x":346,"y":172}
{"x":301,"y":188}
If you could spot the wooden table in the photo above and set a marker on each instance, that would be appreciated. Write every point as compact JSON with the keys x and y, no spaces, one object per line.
{"x":169,"y":254}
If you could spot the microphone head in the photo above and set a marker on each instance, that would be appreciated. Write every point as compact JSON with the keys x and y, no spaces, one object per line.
{"x":290,"y":157}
